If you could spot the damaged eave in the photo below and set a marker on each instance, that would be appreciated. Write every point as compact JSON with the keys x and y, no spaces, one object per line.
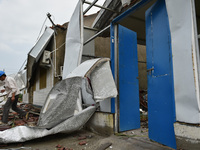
{"x":104,"y":17}
{"x":36,"y":52}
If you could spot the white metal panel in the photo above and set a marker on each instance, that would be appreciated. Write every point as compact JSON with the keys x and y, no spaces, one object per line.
{"x":41,"y":43}
{"x":105,"y":106}
{"x":102,"y":82}
{"x":83,"y":68}
{"x":74,"y":41}
{"x":180,"y":21}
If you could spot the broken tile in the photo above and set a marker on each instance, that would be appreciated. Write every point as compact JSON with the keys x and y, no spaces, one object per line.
{"x":82,"y":138}
{"x":82,"y":143}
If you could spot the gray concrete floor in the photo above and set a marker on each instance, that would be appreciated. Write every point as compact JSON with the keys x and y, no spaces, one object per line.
{"x":129,"y":140}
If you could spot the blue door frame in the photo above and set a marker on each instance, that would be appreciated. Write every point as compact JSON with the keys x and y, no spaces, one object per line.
{"x":162,"y":112}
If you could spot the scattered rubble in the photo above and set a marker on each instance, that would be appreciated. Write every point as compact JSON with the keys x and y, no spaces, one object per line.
{"x":16,"y":120}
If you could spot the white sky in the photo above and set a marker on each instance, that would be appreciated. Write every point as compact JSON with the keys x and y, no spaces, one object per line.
{"x":20,"y":25}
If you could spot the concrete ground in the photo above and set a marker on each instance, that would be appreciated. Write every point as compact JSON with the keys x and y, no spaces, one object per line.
{"x":86,"y":140}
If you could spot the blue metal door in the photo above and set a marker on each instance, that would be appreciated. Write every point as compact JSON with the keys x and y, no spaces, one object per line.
{"x":161,"y":109}
{"x":129,"y":115}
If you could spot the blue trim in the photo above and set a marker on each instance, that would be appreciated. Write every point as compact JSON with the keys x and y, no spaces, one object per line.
{"x":112,"y":58}
{"x":112,"y":48}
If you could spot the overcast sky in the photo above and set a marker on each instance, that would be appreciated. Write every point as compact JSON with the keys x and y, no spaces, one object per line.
{"x":20,"y":25}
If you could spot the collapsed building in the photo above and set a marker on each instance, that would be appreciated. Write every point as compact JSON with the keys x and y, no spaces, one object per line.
{"x":153,"y":47}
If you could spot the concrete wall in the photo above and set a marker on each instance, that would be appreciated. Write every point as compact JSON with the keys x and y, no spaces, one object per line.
{"x":187,"y":136}
{"x":88,"y":20}
{"x":101,"y":123}
{"x":102,"y":47}
{"x":142,"y":67}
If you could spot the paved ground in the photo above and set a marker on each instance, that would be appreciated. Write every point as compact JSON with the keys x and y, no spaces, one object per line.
{"x":85,"y":140}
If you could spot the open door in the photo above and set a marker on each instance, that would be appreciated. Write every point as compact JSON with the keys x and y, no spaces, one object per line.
{"x":129,"y":114}
{"x":161,"y":107}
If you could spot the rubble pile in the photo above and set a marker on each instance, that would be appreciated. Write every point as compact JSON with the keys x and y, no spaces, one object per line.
{"x":62,"y":110}
{"x":16,"y":120}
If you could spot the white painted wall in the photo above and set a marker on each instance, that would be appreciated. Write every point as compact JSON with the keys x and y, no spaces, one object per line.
{"x":185,"y":60}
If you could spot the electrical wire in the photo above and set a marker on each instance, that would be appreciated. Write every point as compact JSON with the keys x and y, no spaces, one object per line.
{"x":42,"y":27}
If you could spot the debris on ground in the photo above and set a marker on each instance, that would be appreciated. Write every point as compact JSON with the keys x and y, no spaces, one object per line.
{"x":104,"y":146}
{"x":62,"y":111}
{"x":16,"y":120}
{"x":143,"y":100}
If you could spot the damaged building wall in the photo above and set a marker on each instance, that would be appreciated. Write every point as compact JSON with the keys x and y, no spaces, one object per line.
{"x":59,"y":54}
{"x":43,"y":84}
{"x":53,"y":72}
{"x":46,"y":75}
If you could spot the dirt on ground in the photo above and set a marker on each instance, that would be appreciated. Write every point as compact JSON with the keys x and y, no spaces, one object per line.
{"x":83,"y":139}
{"x":86,"y":140}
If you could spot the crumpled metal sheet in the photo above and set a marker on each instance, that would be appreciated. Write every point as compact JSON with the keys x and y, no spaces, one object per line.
{"x":85,"y":68}
{"x":99,"y":72}
{"x":102,"y":82}
{"x":87,"y":93}
{"x":24,"y":133}
{"x":63,"y":98}
{"x":60,"y":103}
{"x":62,"y":111}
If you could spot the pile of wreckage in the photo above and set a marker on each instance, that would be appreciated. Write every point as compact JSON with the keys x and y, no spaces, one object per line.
{"x":15,"y":119}
{"x":73,"y":100}
{"x":68,"y":106}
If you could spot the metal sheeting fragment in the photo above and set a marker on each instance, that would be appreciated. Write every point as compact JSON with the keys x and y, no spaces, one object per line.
{"x":85,"y":68}
{"x":62,"y":112}
{"x":87,"y":93}
{"x":99,"y":72}
{"x":61,"y":102}
{"x":102,"y":82}
{"x":185,"y":60}
{"x":24,"y":133}
{"x":74,"y":41}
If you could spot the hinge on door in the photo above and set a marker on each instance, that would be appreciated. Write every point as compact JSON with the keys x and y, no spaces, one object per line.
{"x":149,"y":71}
